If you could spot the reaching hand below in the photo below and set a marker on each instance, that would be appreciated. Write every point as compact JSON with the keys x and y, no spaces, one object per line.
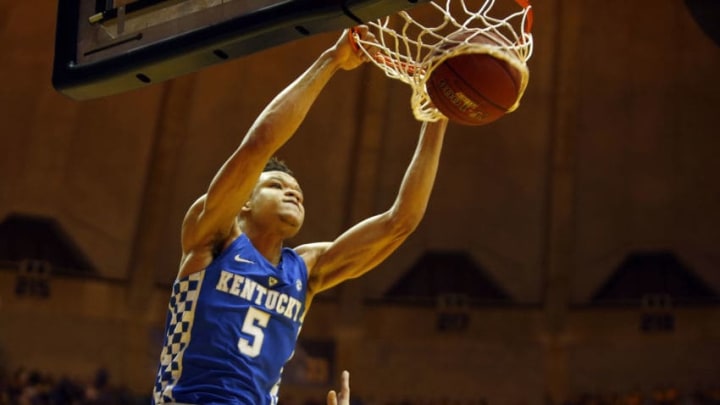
{"x":343,"y":398}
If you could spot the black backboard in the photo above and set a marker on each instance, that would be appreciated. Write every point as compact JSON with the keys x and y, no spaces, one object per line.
{"x":105,"y":47}
{"x":707,"y":15}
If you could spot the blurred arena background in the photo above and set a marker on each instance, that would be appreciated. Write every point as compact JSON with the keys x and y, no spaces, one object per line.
{"x":570,"y":253}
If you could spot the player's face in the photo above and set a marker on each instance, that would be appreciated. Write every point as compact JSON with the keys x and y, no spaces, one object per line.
{"x":278,"y":195}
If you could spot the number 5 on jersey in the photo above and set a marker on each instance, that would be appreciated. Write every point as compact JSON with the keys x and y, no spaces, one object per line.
{"x":255,"y":321}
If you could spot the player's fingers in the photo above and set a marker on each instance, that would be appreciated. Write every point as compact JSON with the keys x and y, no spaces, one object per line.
{"x":363,"y":38}
{"x":358,"y":34}
{"x":360,"y":31}
{"x":353,"y":39}
{"x":345,"y":384}
{"x":332,"y":398}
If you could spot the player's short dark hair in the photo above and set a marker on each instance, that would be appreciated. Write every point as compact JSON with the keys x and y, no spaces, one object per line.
{"x":275,"y":164}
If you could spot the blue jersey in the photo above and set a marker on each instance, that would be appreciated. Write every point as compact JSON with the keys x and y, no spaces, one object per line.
{"x":231,"y":328}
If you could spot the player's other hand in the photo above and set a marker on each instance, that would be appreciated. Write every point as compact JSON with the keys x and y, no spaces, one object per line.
{"x":348,"y":51}
{"x":343,"y":398}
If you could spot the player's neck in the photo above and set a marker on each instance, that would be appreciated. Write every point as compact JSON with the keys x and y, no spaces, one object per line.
{"x":268,"y":244}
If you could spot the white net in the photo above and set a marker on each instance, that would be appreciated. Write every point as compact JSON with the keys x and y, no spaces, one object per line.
{"x":412,"y":43}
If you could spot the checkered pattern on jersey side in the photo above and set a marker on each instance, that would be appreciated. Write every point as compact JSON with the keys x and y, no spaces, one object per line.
{"x":181,"y":313}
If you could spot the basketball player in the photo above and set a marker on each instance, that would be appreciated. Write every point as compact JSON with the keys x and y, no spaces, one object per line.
{"x":240,"y":296}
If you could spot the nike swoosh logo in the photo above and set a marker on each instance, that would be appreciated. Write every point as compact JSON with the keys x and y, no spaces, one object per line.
{"x":242,"y":260}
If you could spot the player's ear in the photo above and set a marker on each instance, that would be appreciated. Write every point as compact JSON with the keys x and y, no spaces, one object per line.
{"x":247,"y":207}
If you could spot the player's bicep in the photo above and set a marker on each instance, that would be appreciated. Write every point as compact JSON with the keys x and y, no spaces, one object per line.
{"x":236,"y":179}
{"x":358,"y":250}
{"x":333,"y":276}
{"x":197,"y":231}
{"x":232,"y":185}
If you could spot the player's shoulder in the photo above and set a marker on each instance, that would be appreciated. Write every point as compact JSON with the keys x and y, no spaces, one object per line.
{"x":200,"y":256}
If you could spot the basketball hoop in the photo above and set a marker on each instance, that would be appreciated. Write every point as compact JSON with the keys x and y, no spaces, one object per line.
{"x":411,"y":44}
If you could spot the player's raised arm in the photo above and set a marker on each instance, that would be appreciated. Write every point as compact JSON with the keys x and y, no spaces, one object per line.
{"x":371,"y":241}
{"x":212,"y":216}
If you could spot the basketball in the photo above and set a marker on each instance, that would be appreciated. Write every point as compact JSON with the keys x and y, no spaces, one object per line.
{"x":475,"y":88}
